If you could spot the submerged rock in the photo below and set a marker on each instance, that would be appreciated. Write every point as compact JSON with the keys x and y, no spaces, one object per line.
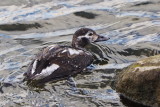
{"x":140,"y":82}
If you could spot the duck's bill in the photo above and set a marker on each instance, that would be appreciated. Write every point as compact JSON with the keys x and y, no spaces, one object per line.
{"x":101,"y":38}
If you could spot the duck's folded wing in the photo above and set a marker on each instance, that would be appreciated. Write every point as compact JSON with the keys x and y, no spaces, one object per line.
{"x":55,"y":62}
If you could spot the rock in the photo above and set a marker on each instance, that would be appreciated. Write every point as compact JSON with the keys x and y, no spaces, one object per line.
{"x":140,"y":82}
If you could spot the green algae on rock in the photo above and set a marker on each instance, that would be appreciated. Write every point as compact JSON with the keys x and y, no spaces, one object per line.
{"x":140,"y":82}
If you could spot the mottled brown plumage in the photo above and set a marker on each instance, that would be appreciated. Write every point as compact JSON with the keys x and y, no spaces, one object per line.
{"x":61,"y":61}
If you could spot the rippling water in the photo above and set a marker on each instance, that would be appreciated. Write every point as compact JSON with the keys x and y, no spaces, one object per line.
{"x":27,"y":26}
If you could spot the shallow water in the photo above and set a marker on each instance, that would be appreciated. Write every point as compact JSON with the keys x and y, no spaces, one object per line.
{"x":27,"y":26}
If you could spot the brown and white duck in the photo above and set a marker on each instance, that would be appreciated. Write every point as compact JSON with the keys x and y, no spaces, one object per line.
{"x":63,"y":61}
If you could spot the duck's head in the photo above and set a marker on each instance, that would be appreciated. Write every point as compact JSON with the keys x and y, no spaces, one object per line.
{"x":84,"y":36}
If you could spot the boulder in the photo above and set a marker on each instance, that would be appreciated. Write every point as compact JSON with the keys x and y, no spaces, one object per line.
{"x":140,"y":82}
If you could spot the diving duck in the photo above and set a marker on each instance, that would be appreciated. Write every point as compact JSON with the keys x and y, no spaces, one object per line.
{"x":57,"y":61}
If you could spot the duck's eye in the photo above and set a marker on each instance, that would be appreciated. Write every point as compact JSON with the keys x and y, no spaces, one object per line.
{"x":90,"y":34}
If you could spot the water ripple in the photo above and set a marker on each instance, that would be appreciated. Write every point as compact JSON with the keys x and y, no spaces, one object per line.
{"x":12,"y":14}
{"x":155,"y":15}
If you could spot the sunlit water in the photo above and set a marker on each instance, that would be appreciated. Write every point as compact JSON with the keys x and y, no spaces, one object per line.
{"x":27,"y":26}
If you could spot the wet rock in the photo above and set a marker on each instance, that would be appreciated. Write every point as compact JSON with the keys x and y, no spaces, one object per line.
{"x":140,"y":82}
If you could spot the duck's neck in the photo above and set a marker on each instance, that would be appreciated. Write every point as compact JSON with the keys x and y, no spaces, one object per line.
{"x":79,"y":44}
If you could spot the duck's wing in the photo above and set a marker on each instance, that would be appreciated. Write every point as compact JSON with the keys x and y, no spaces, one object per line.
{"x":58,"y":61}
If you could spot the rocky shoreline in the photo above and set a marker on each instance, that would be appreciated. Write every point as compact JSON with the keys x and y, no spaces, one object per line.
{"x":140,"y":82}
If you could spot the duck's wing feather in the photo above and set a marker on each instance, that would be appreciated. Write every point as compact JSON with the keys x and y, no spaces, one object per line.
{"x":58,"y":61}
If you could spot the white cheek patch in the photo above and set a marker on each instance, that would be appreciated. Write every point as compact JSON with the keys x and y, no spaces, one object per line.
{"x":90,"y":38}
{"x":34,"y":66}
{"x":80,"y":37}
{"x":73,"y":51}
{"x":87,"y":35}
{"x":47,"y":71}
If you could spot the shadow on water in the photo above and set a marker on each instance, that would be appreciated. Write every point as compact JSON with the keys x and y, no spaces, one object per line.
{"x":144,"y":3}
{"x":19,"y":27}
{"x":139,"y":52}
{"x":87,"y":15}
{"x":120,"y":54}
{"x":130,"y":103}
{"x":26,"y":42}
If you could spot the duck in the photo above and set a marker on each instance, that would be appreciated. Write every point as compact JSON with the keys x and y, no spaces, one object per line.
{"x":59,"y":61}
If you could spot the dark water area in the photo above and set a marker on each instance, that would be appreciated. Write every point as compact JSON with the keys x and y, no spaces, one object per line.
{"x":27,"y":26}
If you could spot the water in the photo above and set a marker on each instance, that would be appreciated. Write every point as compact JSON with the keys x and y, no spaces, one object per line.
{"x":27,"y":26}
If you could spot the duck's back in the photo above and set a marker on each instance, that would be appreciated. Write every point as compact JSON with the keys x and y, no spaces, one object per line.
{"x":58,"y":62}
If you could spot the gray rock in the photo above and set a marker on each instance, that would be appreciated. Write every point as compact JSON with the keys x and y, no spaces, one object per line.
{"x":140,"y":82}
